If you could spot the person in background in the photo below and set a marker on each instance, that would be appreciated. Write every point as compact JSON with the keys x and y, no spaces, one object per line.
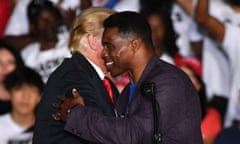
{"x":84,"y":71}
{"x":164,"y":37}
{"x":226,"y":35}
{"x":128,"y":47}
{"x":48,"y":52}
{"x":25,"y":87}
{"x":211,"y":123}
{"x":10,"y":60}
{"x":19,"y":33}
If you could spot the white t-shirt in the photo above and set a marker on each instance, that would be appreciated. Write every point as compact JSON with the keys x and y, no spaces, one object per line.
{"x":231,"y":45}
{"x":9,"y":129}
{"x":217,"y":73}
{"x":181,"y":23}
{"x":46,"y":61}
{"x":127,"y":5}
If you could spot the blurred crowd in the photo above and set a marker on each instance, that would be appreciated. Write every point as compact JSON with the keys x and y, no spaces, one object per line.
{"x":198,"y":36}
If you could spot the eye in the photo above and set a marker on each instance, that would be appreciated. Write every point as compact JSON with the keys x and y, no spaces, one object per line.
{"x":108,"y":46}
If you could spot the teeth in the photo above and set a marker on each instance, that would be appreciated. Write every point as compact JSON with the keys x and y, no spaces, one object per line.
{"x":109,"y":63}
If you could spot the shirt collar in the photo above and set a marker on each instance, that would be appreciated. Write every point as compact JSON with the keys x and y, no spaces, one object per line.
{"x":98,"y":70}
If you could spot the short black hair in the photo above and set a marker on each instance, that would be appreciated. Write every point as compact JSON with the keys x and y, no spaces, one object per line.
{"x":23,"y":76}
{"x":36,"y":7}
{"x":130,"y":24}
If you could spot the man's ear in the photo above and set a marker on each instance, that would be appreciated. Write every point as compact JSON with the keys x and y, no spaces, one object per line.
{"x":135,"y":44}
{"x":92,"y":41}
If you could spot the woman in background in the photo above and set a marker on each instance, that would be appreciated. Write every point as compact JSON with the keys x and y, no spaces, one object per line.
{"x":10,"y":60}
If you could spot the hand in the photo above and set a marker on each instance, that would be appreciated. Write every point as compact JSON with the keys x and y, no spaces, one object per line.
{"x":66,"y":105}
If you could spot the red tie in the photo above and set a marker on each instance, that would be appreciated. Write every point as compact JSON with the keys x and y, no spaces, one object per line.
{"x":108,"y":87}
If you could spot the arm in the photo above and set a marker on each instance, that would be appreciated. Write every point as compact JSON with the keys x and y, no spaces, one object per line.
{"x":138,"y":127}
{"x":89,"y":125}
{"x":19,"y":42}
{"x":187,"y":6}
{"x":215,"y":28}
{"x":102,"y":129}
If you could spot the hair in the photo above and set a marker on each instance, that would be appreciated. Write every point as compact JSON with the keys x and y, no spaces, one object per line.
{"x":130,"y":25}
{"x":233,"y":2}
{"x":25,"y":76}
{"x":170,"y":37}
{"x":18,"y":59}
{"x":89,"y":22}
{"x":36,"y":7}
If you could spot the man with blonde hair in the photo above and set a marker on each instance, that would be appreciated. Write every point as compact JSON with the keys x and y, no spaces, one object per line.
{"x":84,"y":71}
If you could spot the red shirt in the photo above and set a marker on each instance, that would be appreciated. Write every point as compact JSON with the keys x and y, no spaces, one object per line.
{"x":5,"y":12}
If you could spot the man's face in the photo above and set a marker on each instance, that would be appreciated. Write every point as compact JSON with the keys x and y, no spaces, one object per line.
{"x":25,"y":99}
{"x":117,"y":52}
{"x":47,"y":25}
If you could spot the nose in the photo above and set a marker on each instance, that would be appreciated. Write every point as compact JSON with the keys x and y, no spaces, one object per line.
{"x":104,"y":53}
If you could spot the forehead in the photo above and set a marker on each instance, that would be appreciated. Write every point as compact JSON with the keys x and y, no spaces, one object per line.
{"x":5,"y":52}
{"x":110,"y":33}
{"x":113,"y":35}
{"x":48,"y":13}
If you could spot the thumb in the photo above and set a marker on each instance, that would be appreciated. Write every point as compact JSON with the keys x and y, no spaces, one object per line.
{"x":75,"y":93}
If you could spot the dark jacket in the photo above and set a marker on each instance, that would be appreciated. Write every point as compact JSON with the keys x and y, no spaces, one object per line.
{"x":180,"y":113}
{"x":75,"y":72}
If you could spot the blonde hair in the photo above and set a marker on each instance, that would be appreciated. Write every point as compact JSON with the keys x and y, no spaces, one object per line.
{"x":89,"y":22}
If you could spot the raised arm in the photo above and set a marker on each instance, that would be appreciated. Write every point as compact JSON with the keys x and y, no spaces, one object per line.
{"x":187,"y":6}
{"x":214,"y":27}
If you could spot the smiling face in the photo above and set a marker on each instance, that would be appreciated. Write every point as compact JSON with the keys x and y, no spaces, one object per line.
{"x":117,"y":52}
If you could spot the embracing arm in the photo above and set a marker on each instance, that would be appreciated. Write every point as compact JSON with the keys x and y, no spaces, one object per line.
{"x":87,"y":124}
{"x":214,"y":27}
{"x":179,"y":115}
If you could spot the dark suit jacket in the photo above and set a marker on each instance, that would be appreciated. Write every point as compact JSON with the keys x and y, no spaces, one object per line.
{"x":75,"y":72}
{"x":180,"y":114}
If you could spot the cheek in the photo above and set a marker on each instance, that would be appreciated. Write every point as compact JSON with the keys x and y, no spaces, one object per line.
{"x":10,"y":68}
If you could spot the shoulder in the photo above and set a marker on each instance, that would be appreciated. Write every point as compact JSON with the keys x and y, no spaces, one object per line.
{"x":5,"y":119}
{"x":30,"y":49}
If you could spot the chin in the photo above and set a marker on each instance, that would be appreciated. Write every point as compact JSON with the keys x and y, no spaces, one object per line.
{"x":116,"y":73}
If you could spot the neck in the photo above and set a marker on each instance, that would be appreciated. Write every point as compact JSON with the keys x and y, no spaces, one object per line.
{"x":139,"y":66}
{"x":27,"y":120}
{"x":45,"y":45}
{"x":97,"y":60}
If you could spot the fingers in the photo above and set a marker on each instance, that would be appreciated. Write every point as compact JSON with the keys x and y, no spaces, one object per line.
{"x":57,"y":116}
{"x":56,"y":105}
{"x":62,"y":98}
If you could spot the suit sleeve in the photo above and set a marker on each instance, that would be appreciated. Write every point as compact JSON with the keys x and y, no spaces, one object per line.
{"x":85,"y":87}
{"x":179,"y":120}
